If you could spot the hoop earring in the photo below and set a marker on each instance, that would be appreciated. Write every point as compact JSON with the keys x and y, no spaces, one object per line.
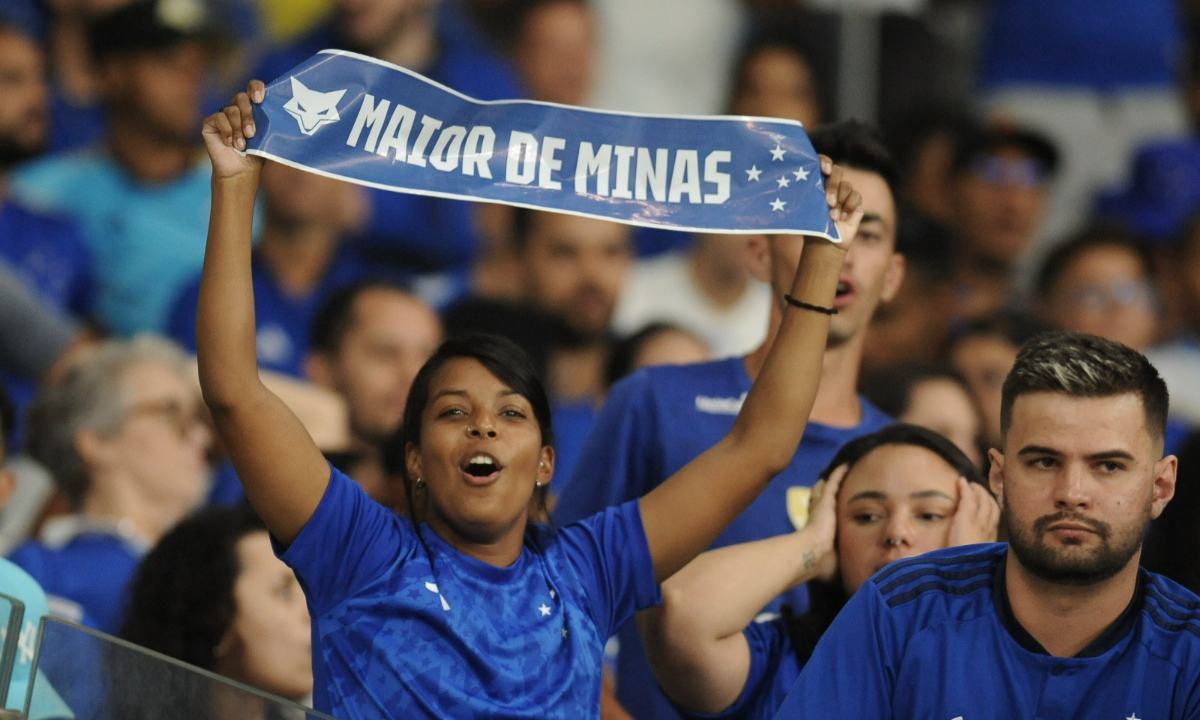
{"x":420,"y":484}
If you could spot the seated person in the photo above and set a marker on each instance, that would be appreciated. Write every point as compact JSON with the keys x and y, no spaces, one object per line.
{"x":122,"y":436}
{"x":932,"y":396}
{"x":904,"y":491}
{"x":213,"y":594}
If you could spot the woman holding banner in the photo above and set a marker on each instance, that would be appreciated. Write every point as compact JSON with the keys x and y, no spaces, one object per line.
{"x":470,"y":610}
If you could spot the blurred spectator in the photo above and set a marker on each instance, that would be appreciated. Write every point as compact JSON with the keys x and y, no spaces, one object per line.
{"x":575,"y":268}
{"x":925,"y":147}
{"x":555,"y":50}
{"x":936,"y":397}
{"x":666,"y":56}
{"x":658,"y":419}
{"x":708,"y":290}
{"x":298,"y":263}
{"x":984,"y":351}
{"x":998,"y":193}
{"x":1100,"y":282}
{"x":774,"y":77}
{"x":123,"y":437}
{"x":913,"y":325}
{"x":213,"y":594}
{"x":1178,"y":359}
{"x":654,"y":344}
{"x":367,"y":342}
{"x":1096,"y":76}
{"x":47,"y":251}
{"x":414,"y":233}
{"x":142,"y":200}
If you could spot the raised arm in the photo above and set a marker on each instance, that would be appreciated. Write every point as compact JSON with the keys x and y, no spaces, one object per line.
{"x":686,"y":513}
{"x":281,"y":469}
{"x":694,"y":638}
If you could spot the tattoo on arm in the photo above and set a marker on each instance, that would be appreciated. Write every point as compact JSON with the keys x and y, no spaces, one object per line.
{"x":810,"y":560}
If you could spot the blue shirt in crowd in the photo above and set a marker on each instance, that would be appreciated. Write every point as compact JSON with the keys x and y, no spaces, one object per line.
{"x":655,"y":422}
{"x":48,"y":253}
{"x":147,"y":239}
{"x":281,"y":320}
{"x":85,"y":567}
{"x":934,"y":637}
{"x":407,"y":627}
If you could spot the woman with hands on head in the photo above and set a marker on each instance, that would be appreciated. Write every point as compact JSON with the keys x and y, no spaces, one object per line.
{"x":468,"y":609}
{"x":896,"y":493}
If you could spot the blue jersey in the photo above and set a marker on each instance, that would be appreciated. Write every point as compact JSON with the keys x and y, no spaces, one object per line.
{"x":398,"y":636}
{"x":935,"y":637}
{"x":49,"y":255}
{"x":281,"y":320}
{"x":147,"y":239}
{"x":89,"y":568}
{"x":655,"y":422}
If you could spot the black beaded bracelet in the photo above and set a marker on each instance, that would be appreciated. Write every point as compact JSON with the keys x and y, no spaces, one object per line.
{"x":807,"y":306}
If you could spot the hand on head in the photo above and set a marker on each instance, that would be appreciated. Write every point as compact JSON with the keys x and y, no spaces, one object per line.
{"x":822,"y":520}
{"x":225,"y":134}
{"x":976,"y":518}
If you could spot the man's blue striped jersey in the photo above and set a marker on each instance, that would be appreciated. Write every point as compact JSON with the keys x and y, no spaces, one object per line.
{"x":934,"y":637}
{"x":402,"y":632}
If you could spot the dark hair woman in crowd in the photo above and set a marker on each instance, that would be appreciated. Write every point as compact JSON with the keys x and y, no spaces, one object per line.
{"x":895,"y":493}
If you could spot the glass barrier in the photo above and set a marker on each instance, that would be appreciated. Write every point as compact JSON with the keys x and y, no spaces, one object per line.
{"x":87,"y":675}
{"x":12,"y":612}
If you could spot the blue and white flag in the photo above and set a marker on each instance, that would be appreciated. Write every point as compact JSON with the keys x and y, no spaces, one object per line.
{"x":359,"y":119}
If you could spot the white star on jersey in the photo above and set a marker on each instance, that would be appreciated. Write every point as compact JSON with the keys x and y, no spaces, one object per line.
{"x":801,"y":174}
{"x":753,"y":173}
{"x":777,"y":205}
{"x":783,"y":182}
{"x":777,"y":153}
{"x":545,"y":609}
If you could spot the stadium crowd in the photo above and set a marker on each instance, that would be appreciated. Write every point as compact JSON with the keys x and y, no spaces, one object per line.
{"x":1030,"y":167}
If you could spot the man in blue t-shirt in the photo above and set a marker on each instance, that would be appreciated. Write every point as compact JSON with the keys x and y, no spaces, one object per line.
{"x":658,"y":419}
{"x":1061,"y":622}
{"x":142,"y":198}
{"x":299,"y":262}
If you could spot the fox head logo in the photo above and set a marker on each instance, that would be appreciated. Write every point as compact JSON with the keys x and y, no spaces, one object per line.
{"x":311,"y":108}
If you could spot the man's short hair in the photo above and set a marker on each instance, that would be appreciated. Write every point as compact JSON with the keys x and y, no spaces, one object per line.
{"x":336,"y":315}
{"x":856,"y":145}
{"x":1085,"y":366}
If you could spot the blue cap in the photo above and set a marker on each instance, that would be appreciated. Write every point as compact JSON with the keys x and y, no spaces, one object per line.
{"x":1162,"y":194}
{"x":46,"y":704}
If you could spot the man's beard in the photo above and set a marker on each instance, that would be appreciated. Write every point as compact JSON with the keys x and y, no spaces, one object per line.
{"x":1061,"y":566}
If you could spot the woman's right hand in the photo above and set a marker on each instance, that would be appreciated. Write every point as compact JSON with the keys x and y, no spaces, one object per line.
{"x":225,"y":134}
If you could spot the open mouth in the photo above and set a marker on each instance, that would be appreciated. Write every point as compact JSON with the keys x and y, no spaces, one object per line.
{"x":845,"y":292}
{"x":481,"y":466}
